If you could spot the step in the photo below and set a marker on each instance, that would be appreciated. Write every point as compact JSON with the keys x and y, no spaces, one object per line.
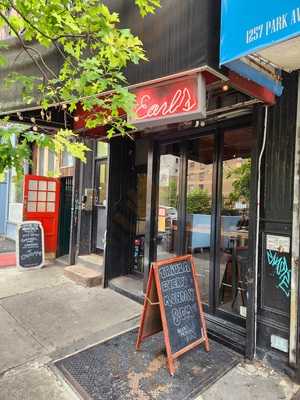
{"x":91,"y":261}
{"x":83,"y":276}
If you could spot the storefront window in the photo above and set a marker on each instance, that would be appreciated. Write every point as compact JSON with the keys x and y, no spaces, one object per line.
{"x":41,"y":151}
{"x":15,"y":199}
{"x":167,"y":227}
{"x":235,"y":221}
{"x":198,"y":207}
{"x":101,"y":189}
{"x":51,"y":162}
{"x":102,"y":149}
{"x":67,"y":160}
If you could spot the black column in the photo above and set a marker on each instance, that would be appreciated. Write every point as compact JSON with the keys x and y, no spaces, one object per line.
{"x":151,"y":207}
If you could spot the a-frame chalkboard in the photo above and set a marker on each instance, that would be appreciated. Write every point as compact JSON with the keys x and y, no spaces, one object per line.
{"x":173,"y":304}
{"x":30,"y":245}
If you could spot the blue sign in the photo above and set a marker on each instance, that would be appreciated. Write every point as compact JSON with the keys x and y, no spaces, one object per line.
{"x":249,"y":26}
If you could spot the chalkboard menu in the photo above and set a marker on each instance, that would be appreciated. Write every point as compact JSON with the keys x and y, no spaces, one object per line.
{"x":173,"y":304}
{"x":30,"y":245}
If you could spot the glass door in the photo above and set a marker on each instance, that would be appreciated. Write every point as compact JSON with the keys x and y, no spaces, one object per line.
{"x":233,"y":236}
{"x":198,"y":219}
{"x":100,"y":207}
{"x":203,"y":202}
{"x":168,"y":202}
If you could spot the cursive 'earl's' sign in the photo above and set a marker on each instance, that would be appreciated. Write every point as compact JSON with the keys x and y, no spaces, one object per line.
{"x":173,"y":304}
{"x":170,"y":101}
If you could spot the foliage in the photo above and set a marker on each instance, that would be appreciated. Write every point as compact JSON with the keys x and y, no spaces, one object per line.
{"x":94,"y":51}
{"x":198,"y":202}
{"x":241,"y":182}
{"x":173,"y":198}
{"x":13,"y":156}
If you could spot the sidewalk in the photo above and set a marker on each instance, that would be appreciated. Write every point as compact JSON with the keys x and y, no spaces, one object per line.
{"x":45,"y":317}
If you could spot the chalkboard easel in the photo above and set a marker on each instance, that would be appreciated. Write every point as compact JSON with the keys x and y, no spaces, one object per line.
{"x":173,"y":305}
{"x":30,"y":245}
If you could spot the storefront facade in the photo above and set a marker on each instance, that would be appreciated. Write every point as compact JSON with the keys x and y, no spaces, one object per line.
{"x":216,"y":182}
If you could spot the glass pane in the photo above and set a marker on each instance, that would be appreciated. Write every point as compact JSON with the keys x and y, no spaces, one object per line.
{"x":50,"y":207}
{"x":67,"y":160}
{"x":51,"y":161}
{"x":168,"y":202}
{"x":102,"y":149}
{"x":42,"y":196}
{"x":101,"y":200}
{"x":52,"y":186}
{"x":51,"y":196}
{"x":31,"y":206}
{"x":33,"y":185}
{"x":41,"y":206}
{"x":41,"y":160}
{"x":32,"y":195}
{"x":235,"y":220}
{"x":42,"y":185}
{"x":198,"y":207}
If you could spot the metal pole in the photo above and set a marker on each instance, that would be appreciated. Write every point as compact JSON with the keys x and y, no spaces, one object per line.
{"x":294,"y":318}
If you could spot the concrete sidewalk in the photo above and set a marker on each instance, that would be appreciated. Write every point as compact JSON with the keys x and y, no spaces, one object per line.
{"x":251,"y":381}
{"x":45,"y":317}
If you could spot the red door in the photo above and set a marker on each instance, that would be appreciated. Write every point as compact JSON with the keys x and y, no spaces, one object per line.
{"x":41,"y":203}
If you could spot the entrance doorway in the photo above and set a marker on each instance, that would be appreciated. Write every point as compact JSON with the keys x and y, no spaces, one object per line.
{"x":203,"y":210}
{"x":66,"y":189}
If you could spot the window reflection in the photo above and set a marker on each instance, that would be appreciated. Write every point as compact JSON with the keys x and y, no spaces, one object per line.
{"x":198,"y":207}
{"x":102,"y":183}
{"x":235,"y":221}
{"x":167,"y":233}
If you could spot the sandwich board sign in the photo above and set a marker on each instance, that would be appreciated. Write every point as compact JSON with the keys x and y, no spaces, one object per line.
{"x":30,"y":245}
{"x":173,"y":305}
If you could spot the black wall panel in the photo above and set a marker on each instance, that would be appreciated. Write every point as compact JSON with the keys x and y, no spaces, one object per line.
{"x":181,"y":35}
{"x":276,"y":212}
{"x":121,"y":208}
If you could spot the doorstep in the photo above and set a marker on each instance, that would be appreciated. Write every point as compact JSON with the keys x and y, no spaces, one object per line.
{"x":130,"y":286}
{"x":83,"y":276}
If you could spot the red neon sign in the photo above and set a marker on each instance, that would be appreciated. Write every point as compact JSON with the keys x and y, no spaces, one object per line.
{"x":171,"y":101}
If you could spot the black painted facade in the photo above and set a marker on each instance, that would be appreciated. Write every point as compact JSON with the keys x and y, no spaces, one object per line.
{"x":172,"y":50}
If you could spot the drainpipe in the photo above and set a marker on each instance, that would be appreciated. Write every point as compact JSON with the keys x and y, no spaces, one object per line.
{"x":294,"y":318}
{"x":257,"y":224}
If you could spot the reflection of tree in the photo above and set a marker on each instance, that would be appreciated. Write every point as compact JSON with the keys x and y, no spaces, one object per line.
{"x":168,"y":193}
{"x":173,"y":193}
{"x":240,"y":183}
{"x":198,"y":202}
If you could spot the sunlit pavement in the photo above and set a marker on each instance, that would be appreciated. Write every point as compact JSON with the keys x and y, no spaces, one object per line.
{"x":44,"y":316}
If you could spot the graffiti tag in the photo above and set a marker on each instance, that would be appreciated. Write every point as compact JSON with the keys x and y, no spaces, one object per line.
{"x":282,"y":271}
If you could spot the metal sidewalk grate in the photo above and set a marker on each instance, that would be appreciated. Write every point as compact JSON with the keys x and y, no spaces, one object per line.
{"x":113,"y":370}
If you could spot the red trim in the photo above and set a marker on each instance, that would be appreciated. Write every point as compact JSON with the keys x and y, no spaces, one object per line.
{"x":8,"y":260}
{"x":251,"y":88}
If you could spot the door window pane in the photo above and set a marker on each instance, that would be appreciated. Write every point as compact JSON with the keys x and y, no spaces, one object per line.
{"x":102,"y":149}
{"x":168,"y":191}
{"x":101,"y":195}
{"x":232,"y":294}
{"x":198,"y":207}
{"x":41,"y":160}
